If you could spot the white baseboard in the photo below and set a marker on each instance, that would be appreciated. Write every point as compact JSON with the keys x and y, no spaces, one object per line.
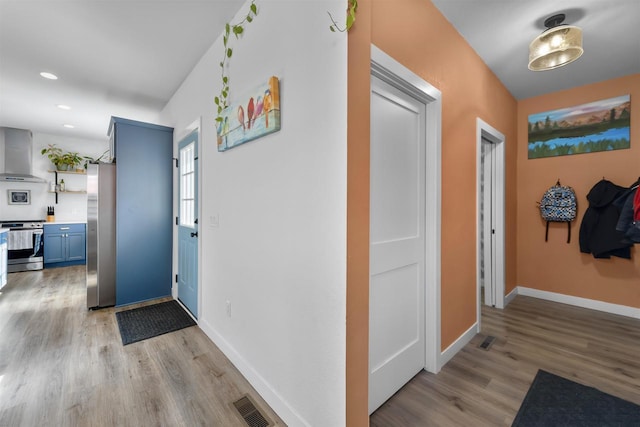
{"x":271,"y":396}
{"x":607,"y":307}
{"x":457,"y":345}
{"x":510,"y":296}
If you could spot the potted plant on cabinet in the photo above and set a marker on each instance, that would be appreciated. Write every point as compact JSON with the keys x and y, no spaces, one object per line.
{"x":89,"y":159}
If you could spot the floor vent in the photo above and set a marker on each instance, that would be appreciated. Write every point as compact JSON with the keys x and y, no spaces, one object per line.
{"x":250,"y":413}
{"x":487,"y":342}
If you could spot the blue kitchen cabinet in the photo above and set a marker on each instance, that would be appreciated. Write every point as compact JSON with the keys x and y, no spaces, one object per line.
{"x":53,"y":247}
{"x":143,"y":156}
{"x":64,"y":244}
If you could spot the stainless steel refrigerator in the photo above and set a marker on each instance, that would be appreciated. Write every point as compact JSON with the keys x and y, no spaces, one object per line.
{"x":101,"y":235}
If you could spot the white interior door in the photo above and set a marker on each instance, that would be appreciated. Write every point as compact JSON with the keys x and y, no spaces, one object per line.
{"x":487,"y":217}
{"x":491,"y":216}
{"x":397,"y":241}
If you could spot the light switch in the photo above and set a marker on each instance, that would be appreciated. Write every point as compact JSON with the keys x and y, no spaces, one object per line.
{"x":214,"y":221}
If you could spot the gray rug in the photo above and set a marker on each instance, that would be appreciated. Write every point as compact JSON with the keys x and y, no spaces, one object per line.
{"x":145,"y":322}
{"x":553,"y":401}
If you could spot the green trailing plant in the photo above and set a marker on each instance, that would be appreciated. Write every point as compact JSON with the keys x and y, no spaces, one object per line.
{"x":352,"y":8}
{"x":89,"y":159}
{"x":61,"y":160}
{"x":67,"y":160}
{"x":222,"y":100}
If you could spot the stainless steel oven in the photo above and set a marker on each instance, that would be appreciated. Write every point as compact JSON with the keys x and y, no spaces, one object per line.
{"x":25,"y":244}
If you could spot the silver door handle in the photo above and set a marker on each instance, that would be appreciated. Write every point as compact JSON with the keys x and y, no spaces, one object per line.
{"x":64,"y":228}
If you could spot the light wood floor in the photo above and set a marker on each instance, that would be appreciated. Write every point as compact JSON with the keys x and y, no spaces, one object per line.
{"x":485,"y":388}
{"x":62,"y":365}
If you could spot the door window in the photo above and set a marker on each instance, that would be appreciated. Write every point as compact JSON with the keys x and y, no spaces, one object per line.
{"x":187,"y":185}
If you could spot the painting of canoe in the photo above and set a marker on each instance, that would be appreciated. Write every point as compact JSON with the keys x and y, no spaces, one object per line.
{"x":254,"y":115}
{"x":597,"y":126}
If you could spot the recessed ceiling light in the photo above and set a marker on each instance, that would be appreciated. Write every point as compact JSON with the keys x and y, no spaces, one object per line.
{"x":49,"y":76}
{"x":63,"y":107}
{"x":69,"y":126}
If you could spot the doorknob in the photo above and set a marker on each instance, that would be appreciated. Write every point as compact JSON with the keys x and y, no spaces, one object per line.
{"x":194,"y":234}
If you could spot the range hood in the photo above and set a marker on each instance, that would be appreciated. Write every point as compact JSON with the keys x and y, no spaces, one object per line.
{"x":16,"y":146}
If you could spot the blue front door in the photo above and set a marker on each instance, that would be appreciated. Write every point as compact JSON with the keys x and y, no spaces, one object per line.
{"x":188,"y":223}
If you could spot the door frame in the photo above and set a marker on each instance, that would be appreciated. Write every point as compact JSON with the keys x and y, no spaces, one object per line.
{"x":486,"y":131}
{"x":392,"y":72}
{"x":195,"y":126}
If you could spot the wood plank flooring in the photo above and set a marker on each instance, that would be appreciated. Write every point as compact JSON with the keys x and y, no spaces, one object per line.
{"x":62,"y":365}
{"x":486,"y":387}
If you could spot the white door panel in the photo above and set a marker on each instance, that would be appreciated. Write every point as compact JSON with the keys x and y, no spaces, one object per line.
{"x":390,"y":255}
{"x":397,"y":245}
{"x":490,"y":216}
{"x":396,"y":291}
{"x":488,"y":219}
{"x":395,"y":160}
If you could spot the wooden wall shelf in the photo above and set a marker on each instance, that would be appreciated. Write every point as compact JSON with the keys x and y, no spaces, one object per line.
{"x":56,"y":173}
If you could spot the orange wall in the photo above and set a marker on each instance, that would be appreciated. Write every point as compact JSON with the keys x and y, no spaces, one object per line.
{"x":556,"y":266}
{"x":416,"y":34}
{"x":357,"y":357}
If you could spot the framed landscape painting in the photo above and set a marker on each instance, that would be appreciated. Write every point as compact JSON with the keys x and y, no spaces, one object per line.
{"x":597,"y":126}
{"x":255,"y":114}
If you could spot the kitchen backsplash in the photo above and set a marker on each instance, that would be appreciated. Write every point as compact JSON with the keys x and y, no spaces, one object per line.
{"x":71,"y":206}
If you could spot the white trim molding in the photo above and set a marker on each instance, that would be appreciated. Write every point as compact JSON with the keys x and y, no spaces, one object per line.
{"x":488,"y":132}
{"x":458,"y":345}
{"x":510,"y":296}
{"x":270,"y":395}
{"x":607,"y":307}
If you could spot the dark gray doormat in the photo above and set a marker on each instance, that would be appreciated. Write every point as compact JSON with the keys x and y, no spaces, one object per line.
{"x":145,"y":322}
{"x":556,"y":401}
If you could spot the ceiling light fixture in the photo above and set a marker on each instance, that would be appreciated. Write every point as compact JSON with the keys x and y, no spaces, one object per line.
{"x":558,"y":45}
{"x":49,"y":76}
{"x":69,"y":126}
{"x":63,"y":107}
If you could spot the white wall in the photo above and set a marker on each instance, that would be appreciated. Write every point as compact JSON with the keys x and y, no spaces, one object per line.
{"x":70,"y":207}
{"x":279,"y":252}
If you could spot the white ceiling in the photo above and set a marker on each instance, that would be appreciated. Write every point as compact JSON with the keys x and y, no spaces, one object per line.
{"x":120,"y":58}
{"x":127,"y":58}
{"x":500,"y":32}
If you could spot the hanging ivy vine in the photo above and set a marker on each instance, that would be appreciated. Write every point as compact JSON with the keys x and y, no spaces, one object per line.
{"x":237,"y":30}
{"x":352,"y":8}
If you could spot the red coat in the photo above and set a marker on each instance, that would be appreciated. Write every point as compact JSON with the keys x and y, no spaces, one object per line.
{"x":636,"y":206}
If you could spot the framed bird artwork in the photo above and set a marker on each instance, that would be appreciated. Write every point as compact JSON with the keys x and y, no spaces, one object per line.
{"x":254,"y":115}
